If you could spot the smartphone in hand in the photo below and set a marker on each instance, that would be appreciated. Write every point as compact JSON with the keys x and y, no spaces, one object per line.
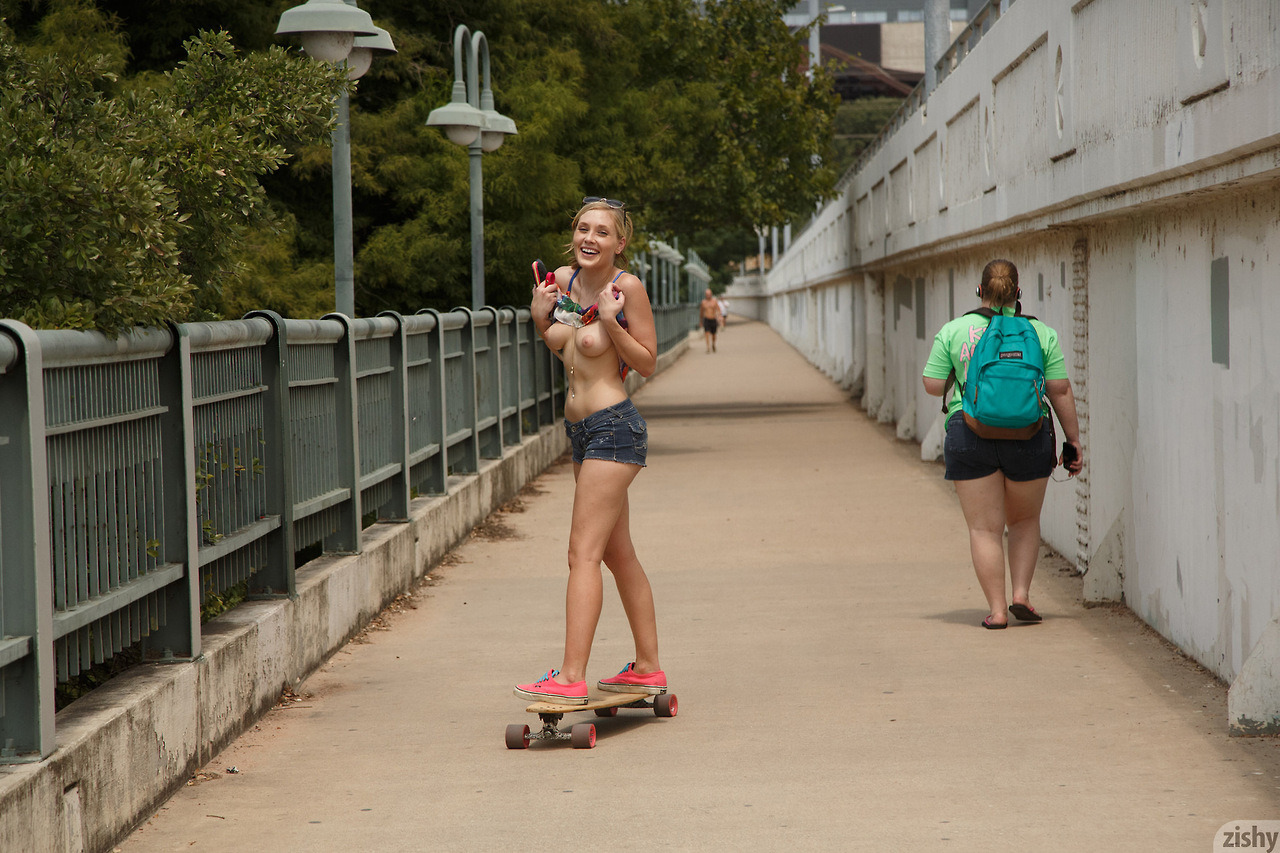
{"x":1068,"y":455}
{"x":540,"y":274}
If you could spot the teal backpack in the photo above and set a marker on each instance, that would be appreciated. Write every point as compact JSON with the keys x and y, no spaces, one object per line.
{"x":1002,"y":391}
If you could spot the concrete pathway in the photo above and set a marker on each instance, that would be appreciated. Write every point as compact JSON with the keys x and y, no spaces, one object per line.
{"x":819,"y":621}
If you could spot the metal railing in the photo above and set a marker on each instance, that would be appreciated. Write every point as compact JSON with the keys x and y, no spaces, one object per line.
{"x":961,"y":47}
{"x":145,"y":475}
{"x":179,"y":464}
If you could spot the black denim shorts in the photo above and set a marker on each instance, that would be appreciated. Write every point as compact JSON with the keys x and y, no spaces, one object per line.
{"x":615,"y":434}
{"x":969,"y":456}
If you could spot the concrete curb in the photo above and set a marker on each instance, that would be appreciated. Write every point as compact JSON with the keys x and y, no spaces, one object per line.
{"x":124,"y":749}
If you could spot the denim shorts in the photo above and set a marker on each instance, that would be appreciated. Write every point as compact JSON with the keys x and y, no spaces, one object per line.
{"x":969,"y":456}
{"x":615,"y":434}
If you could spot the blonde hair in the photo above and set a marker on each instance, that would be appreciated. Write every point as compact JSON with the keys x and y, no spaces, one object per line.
{"x":1000,"y":282}
{"x":622,"y":222}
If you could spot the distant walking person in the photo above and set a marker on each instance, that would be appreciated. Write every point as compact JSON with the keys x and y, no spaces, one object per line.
{"x":609,"y":440}
{"x":1001,"y":482}
{"x":709,"y":311}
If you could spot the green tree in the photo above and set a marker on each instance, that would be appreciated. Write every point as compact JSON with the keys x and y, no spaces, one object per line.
{"x":739,"y":135}
{"x":126,"y":202}
{"x":857,"y":123}
{"x":699,"y":115}
{"x":411,"y":193}
{"x":696,"y":120}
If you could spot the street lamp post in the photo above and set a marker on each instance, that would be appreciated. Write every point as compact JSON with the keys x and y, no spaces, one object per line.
{"x":469,"y":119}
{"x":337,"y":31}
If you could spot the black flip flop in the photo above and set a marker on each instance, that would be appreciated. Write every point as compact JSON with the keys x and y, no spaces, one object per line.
{"x":993,"y":626}
{"x":1025,"y":613}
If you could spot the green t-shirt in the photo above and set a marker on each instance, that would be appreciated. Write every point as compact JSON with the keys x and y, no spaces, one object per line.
{"x":953,"y":347}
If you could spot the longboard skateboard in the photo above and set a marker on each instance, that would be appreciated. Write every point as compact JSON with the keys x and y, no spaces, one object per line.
{"x":583,"y":735}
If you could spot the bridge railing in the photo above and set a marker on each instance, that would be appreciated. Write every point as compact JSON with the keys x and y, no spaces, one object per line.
{"x":143,"y":476}
{"x":146,"y":476}
{"x":960,"y":47}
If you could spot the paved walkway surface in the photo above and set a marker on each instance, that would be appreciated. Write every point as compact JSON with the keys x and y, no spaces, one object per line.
{"x":819,"y":623}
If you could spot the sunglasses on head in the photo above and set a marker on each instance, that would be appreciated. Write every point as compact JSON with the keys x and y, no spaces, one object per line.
{"x":612,"y":202}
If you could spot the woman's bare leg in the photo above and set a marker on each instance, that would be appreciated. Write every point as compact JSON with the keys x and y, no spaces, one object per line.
{"x":1022,"y":504}
{"x":635,"y":592}
{"x":983,"y":503}
{"x":598,"y":501}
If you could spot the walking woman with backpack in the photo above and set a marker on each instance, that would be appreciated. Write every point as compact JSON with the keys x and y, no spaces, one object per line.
{"x":1000,"y":445}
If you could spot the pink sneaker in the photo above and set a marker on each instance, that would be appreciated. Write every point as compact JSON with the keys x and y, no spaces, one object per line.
{"x":630,"y":681}
{"x":547,"y":689}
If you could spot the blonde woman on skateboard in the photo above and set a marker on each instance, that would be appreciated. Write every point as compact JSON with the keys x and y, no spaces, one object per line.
{"x":598,"y":345}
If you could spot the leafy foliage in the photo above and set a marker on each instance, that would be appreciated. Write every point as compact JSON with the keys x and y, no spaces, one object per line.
{"x":168,"y":161}
{"x":699,"y":120}
{"x":127,"y":204}
{"x":746,"y":133}
{"x":856,"y":125}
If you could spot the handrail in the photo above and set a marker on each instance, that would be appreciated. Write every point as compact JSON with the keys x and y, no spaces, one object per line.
{"x":144,"y":476}
{"x":960,"y":47}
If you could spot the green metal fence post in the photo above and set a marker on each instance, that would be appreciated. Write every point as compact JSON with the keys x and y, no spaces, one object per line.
{"x":488,"y":381}
{"x":434,"y":479}
{"x":547,"y":370}
{"x":179,"y":636}
{"x":464,"y":455}
{"x":27,"y":674}
{"x":346,"y":539}
{"x":509,"y":368}
{"x":526,"y":416}
{"x":397,"y":509}
{"x":277,"y":577}
{"x":543,"y":387}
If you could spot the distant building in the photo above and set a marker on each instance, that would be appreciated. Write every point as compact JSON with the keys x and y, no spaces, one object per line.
{"x":877,"y":11}
{"x":876,"y":46}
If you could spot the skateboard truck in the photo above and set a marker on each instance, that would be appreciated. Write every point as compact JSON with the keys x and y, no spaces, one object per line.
{"x":551,"y":730}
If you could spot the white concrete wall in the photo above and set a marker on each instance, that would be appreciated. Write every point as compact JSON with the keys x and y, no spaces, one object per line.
{"x":1114,"y":150}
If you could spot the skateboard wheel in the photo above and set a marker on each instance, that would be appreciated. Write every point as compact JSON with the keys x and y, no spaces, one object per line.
{"x":607,"y":712}
{"x":665,"y":705}
{"x":517,"y":736}
{"x":583,"y":736}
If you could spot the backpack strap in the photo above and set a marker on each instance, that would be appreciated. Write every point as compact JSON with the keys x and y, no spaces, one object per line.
{"x":951,"y":379}
{"x":991,"y":312}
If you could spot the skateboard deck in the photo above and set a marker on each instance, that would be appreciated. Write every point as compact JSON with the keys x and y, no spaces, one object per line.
{"x":583,"y":735}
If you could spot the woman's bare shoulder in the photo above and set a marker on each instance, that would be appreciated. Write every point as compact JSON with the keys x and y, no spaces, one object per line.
{"x":629,"y":282}
{"x":563,"y":275}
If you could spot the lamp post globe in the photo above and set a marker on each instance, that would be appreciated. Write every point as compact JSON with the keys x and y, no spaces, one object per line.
{"x":328,"y":28}
{"x":497,"y":128}
{"x":460,"y":121}
{"x":363,"y":50}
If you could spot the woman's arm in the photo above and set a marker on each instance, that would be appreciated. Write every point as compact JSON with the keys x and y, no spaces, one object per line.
{"x":1063,"y":401}
{"x":637,"y":344}
{"x":934,"y":387}
{"x":555,"y":335}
